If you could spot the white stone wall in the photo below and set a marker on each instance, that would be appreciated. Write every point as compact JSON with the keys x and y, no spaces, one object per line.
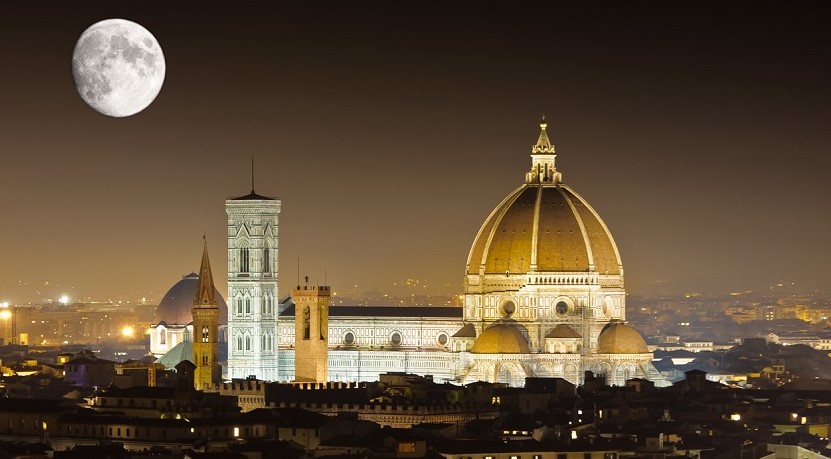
{"x":252,"y":288}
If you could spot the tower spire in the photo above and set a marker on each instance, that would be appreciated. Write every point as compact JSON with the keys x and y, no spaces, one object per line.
{"x":205,"y":287}
{"x":543,"y":156}
{"x":543,"y":145}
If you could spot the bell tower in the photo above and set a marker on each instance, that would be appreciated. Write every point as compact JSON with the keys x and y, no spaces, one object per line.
{"x":206,"y":328}
{"x":311,"y":333}
{"x":252,"y":286}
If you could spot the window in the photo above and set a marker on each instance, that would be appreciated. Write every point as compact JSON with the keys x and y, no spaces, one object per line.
{"x":163,"y":337}
{"x":243,"y":260}
{"x":205,"y":334}
{"x":306,"y":322}
{"x":407,"y":447}
{"x":395,"y":339}
{"x":247,"y":305}
{"x":442,"y":339}
{"x":349,"y":338}
{"x":561,"y":307}
{"x":507,"y":309}
{"x":267,"y":260}
{"x":247,"y":343}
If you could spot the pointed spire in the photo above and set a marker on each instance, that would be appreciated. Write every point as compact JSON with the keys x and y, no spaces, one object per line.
{"x":252,"y":175}
{"x":205,"y":286}
{"x":543,"y":145}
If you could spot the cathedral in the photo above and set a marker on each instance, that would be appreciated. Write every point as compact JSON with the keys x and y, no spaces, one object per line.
{"x":543,"y":297}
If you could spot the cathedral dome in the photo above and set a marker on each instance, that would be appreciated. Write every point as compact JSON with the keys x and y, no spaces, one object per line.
{"x":175,"y":307}
{"x":543,"y":226}
{"x":501,"y":339}
{"x":619,"y":338}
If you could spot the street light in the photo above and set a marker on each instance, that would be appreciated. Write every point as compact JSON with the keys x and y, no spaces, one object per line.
{"x":7,"y":315}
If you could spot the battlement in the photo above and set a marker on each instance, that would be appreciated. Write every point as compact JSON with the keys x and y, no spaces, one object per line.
{"x":311,"y":291}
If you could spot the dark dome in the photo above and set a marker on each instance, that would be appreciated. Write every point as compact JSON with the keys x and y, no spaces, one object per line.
{"x":175,"y":307}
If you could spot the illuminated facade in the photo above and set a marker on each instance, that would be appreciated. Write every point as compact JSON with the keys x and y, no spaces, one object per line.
{"x":544,"y":296}
{"x":252,"y":286}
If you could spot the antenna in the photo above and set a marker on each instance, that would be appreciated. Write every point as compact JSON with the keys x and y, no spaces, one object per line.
{"x":298,"y":273}
{"x":252,"y":175}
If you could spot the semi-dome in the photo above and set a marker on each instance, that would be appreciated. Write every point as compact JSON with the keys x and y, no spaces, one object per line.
{"x":619,"y":338}
{"x":501,"y":338}
{"x":543,"y":226}
{"x":176,"y":306}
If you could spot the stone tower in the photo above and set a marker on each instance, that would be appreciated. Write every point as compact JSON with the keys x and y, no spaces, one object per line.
{"x":311,"y":333}
{"x":252,"y":286}
{"x":206,"y":328}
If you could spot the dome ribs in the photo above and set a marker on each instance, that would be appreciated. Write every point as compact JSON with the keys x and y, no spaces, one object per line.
{"x":509,"y":250}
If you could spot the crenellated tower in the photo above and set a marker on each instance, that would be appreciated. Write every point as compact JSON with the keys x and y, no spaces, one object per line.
{"x":311,"y":333}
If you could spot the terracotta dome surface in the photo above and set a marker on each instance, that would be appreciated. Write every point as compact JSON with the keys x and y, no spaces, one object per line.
{"x":501,"y":339}
{"x":619,"y":338}
{"x":547,"y":226}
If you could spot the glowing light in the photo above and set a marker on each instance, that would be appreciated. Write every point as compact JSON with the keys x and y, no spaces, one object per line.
{"x":4,"y":304}
{"x":735,"y":417}
{"x":64,"y":299}
{"x":5,"y":314}
{"x":127,"y":332}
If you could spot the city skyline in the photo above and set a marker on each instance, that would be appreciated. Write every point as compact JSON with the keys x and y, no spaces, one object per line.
{"x":389,"y":134}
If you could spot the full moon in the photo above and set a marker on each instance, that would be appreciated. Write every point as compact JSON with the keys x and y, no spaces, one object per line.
{"x":118,"y":67}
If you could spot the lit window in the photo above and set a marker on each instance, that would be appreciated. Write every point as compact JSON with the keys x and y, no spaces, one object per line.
{"x":407,"y":447}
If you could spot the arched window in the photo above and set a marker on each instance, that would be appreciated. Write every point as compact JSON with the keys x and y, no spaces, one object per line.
{"x":247,"y":343}
{"x":239,"y":305}
{"x":266,"y":260}
{"x":247,"y":305}
{"x":239,"y":343}
{"x":205,"y":334}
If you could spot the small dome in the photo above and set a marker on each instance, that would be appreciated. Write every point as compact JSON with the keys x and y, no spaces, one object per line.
{"x":619,"y":338}
{"x":501,"y":339}
{"x":176,"y":306}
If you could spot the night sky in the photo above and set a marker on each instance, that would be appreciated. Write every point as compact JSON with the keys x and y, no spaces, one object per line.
{"x":698,"y":130}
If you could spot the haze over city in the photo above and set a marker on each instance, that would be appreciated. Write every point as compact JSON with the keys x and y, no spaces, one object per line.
{"x":698,"y":132}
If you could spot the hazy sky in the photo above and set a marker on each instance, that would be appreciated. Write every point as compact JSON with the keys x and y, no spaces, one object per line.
{"x":698,"y":130}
